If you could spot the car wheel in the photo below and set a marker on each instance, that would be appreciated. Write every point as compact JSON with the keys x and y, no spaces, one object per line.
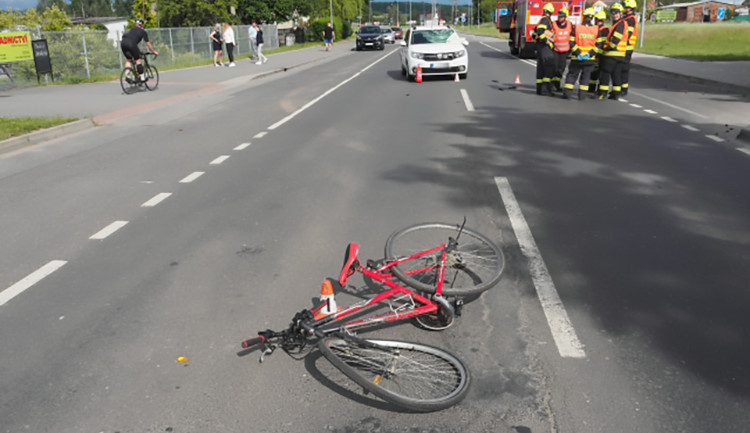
{"x":403,"y":71}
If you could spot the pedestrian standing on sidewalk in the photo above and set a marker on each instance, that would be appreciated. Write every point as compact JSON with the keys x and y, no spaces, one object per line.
{"x":328,"y":36}
{"x":216,"y":43}
{"x":230,"y":43}
{"x":259,"y":39}
{"x":252,"y":33}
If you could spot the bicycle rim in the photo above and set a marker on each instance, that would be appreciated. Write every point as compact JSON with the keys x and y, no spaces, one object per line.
{"x":474,"y":266}
{"x":127,"y":81}
{"x":153,"y":78}
{"x":414,"y":376}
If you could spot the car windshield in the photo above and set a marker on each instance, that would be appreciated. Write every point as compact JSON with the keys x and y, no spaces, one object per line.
{"x":369,"y":30}
{"x":434,"y":36}
{"x":387,"y":30}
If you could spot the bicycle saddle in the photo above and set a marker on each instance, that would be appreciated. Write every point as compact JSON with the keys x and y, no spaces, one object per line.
{"x":350,"y":263}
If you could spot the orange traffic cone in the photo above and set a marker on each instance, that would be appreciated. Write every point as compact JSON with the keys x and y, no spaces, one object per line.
{"x":456,"y":79}
{"x":518,"y":80}
{"x":418,"y":79}
{"x":326,"y":298}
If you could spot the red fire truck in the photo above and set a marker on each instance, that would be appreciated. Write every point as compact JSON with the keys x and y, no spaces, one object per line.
{"x":519,"y":17}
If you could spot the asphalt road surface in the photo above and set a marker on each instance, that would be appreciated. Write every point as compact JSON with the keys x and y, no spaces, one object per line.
{"x":184,"y":230}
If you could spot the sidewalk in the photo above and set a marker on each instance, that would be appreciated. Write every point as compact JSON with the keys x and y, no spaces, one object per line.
{"x":105,"y":102}
{"x":731,"y":73}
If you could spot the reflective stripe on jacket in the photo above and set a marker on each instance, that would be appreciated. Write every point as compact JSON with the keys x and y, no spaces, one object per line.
{"x":543,"y":31}
{"x":632,"y":22}
{"x":583,"y":39}
{"x":617,"y":41}
{"x":561,"y":42}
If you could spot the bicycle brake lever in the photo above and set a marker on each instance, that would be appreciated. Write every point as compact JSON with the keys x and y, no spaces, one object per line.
{"x":267,"y":351}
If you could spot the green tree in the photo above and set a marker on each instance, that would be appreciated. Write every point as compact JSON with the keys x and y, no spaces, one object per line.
{"x":142,"y":9}
{"x":272,"y":10}
{"x":195,"y":13}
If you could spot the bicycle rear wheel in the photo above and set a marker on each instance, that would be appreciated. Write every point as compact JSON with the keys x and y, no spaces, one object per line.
{"x":127,"y":81}
{"x":473,"y":263}
{"x":414,"y":376}
{"x":152,"y":75}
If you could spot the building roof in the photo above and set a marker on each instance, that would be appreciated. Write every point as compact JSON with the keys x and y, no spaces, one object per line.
{"x":684,"y":5}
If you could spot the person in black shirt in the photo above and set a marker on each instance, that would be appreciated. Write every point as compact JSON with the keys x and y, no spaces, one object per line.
{"x":129,"y":45}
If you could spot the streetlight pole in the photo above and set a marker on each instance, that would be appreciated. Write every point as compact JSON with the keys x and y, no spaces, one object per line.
{"x":331,"y":4}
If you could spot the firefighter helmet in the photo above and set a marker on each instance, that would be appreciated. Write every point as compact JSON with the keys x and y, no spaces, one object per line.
{"x":630,"y":4}
{"x":589,"y":12}
{"x":617,"y":7}
{"x":563,"y":11}
{"x":549,"y":7}
{"x":600,"y":16}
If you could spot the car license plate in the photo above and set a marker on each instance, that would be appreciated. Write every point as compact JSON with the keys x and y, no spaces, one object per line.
{"x":438,"y":65}
{"x":368,"y":43}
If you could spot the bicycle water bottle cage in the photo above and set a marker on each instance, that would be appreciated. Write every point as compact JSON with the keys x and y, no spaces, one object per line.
{"x":350,"y":263}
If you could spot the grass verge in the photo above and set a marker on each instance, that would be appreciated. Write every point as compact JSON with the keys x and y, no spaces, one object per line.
{"x":11,"y":126}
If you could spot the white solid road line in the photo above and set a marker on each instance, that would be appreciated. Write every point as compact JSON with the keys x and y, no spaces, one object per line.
{"x":106,"y":231}
{"x":33,"y":278}
{"x":158,"y":198}
{"x":559,"y":323}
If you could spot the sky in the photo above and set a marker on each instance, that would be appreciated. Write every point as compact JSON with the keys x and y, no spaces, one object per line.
{"x":17,"y":5}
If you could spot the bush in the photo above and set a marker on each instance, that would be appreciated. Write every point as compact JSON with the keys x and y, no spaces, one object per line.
{"x":342,"y":30}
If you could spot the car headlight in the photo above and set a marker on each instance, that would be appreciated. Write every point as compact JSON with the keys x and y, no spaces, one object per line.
{"x":415,"y":55}
{"x":461,"y":53}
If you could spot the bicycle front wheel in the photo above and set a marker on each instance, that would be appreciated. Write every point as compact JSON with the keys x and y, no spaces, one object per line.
{"x":414,"y":376}
{"x":473,"y":263}
{"x":128,"y":81}
{"x":152,"y":77}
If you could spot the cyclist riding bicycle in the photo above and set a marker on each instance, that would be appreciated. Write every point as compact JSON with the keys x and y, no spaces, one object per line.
{"x":129,"y":46}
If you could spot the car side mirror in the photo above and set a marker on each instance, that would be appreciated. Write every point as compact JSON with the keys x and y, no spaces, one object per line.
{"x":402,"y":43}
{"x":465,"y":42}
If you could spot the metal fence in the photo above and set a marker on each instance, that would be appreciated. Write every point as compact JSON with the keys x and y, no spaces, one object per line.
{"x":80,"y":55}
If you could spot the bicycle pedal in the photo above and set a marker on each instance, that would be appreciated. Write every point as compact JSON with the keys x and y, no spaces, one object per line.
{"x":458,"y":305}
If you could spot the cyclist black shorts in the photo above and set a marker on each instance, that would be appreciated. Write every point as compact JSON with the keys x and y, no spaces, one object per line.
{"x":130,"y":49}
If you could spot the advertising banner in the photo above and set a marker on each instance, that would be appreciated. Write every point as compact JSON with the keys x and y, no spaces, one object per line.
{"x":15,"y":47}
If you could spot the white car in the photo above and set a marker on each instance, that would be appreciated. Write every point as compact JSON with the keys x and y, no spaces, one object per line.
{"x":439,"y":50}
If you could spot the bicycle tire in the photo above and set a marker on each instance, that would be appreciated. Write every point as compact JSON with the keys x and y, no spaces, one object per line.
{"x":414,"y":376}
{"x":475,"y":265}
{"x":152,"y":77}
{"x":127,"y":81}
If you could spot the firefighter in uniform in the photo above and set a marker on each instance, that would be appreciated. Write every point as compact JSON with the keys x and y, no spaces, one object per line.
{"x":545,"y":66}
{"x":632,"y":20}
{"x":583,"y":56}
{"x":561,"y":29}
{"x":601,"y":39}
{"x":613,"y":59}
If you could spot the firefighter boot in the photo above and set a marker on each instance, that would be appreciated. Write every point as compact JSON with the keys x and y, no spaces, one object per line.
{"x":539,"y":88}
{"x":566,"y":94}
{"x":548,"y":90}
{"x":581,"y":95}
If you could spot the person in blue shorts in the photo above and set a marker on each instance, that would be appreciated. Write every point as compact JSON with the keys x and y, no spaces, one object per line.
{"x":328,"y":36}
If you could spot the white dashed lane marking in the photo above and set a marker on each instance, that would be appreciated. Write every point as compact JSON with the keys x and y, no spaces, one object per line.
{"x":106,"y":231}
{"x":158,"y":198}
{"x":192,"y":176}
{"x":31,"y":279}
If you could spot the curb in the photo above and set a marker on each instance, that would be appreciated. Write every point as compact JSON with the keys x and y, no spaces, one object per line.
{"x":43,"y":135}
{"x":670,"y":74}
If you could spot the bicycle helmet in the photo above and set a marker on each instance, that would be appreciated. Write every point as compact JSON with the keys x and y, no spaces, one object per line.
{"x":138,"y":22}
{"x":617,"y":7}
{"x":589,"y":12}
{"x":563,"y":11}
{"x":630,"y":4}
{"x":549,"y":8}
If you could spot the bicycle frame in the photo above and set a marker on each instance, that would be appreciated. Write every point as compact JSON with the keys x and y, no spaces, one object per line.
{"x":412,"y":303}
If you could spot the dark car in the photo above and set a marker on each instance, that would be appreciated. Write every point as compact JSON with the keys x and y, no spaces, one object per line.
{"x":370,"y":37}
{"x":397,"y":32}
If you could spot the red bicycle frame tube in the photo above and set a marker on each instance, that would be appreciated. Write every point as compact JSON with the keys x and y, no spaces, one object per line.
{"x":427,"y":305}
